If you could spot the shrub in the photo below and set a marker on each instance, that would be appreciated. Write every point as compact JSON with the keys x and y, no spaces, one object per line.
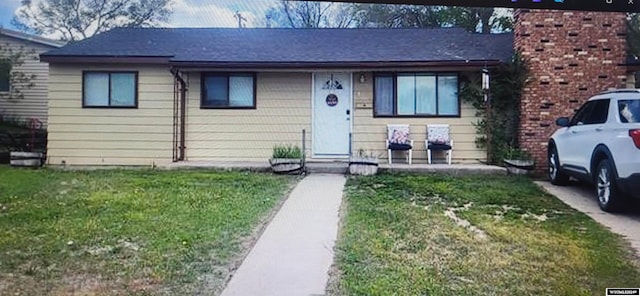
{"x":287,"y":151}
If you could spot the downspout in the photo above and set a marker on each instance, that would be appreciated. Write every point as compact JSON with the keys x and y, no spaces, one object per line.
{"x":183,"y":110}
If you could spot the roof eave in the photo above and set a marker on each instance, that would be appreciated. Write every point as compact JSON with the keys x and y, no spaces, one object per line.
{"x":32,"y":38}
{"x":330,"y":65}
{"x":79,"y":59}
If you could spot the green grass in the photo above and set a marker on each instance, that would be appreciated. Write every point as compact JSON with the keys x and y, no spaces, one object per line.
{"x":396,"y":240}
{"x":127,"y":232}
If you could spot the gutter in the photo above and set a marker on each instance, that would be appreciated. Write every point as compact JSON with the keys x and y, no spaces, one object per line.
{"x":168,"y":60}
{"x":341,"y":65}
{"x":182,"y":114}
{"x":82,"y":59}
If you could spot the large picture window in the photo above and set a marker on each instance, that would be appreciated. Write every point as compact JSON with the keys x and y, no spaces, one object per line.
{"x":228,"y":91}
{"x":110,"y":89}
{"x":416,"y":94}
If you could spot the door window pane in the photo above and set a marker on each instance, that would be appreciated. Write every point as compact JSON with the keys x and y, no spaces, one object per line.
{"x":599,"y":113}
{"x":580,"y":117}
{"x":448,"y":95}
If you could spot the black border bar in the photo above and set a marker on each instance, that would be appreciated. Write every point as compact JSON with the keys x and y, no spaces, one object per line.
{"x":583,"y":5}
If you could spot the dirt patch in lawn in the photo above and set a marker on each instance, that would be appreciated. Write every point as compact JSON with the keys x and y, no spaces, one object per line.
{"x":444,"y":235}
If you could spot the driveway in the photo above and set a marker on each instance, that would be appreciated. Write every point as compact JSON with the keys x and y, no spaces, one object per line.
{"x":582,"y":198}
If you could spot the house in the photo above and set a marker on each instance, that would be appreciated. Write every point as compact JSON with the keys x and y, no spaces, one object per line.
{"x":148,"y":96}
{"x":27,"y":102}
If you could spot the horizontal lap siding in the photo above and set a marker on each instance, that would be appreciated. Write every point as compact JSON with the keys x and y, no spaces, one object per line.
{"x":104,"y":136}
{"x":283,"y":110}
{"x":34,"y":102}
{"x":369,"y":133}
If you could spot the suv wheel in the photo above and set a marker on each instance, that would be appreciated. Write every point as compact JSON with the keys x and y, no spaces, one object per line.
{"x":556,"y":175}
{"x":609,"y":197}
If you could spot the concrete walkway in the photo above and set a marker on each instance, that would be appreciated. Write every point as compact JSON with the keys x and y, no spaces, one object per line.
{"x":341,"y":167}
{"x":583,"y":199}
{"x":294,"y":253}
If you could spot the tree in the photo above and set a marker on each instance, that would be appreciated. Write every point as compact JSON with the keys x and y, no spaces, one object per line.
{"x":11,"y":78}
{"x":470,"y":18}
{"x":497,"y":131}
{"x":398,"y":16}
{"x":310,"y":14}
{"x":421,"y":16}
{"x":72,"y":20}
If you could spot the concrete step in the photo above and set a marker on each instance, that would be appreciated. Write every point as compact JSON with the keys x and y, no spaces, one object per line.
{"x":327,"y":167}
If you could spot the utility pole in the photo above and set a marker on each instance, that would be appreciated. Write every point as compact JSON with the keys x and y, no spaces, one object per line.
{"x":268,"y":17}
{"x":241,"y":20}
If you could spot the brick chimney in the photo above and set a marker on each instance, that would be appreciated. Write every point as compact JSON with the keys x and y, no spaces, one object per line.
{"x":572,"y":55}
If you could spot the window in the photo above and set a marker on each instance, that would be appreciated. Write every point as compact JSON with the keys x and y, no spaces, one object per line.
{"x":416,"y":94}
{"x":220,"y":91}
{"x":600,"y":112}
{"x":5,"y":76}
{"x":592,"y":112}
{"x":629,"y":111}
{"x":110,"y":89}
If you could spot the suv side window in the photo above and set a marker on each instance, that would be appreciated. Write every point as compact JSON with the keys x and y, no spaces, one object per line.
{"x":629,"y":111}
{"x":583,"y":113}
{"x":600,"y":112}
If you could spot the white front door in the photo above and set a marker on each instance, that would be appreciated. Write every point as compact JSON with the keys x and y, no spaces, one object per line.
{"x":331,"y":114}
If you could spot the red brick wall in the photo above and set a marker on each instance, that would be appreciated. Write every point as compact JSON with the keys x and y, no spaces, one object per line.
{"x":572,"y":55}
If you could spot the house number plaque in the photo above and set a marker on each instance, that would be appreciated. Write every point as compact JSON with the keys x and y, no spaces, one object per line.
{"x":332,"y":100}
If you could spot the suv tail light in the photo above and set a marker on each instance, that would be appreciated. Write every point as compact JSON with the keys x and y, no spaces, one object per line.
{"x":635,"y":135}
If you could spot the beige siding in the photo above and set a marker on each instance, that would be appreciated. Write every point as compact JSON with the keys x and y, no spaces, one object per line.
{"x":143,"y":136}
{"x":283,"y":110}
{"x":34,"y":102}
{"x":369,"y":133}
{"x":83,"y":136}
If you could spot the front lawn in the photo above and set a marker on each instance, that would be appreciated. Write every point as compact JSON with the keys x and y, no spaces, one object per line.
{"x":129,"y":232}
{"x":484,"y":235}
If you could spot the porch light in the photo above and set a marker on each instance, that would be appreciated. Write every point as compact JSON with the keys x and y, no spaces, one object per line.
{"x":363,"y":78}
{"x":485,"y":84}
{"x":485,"y":79}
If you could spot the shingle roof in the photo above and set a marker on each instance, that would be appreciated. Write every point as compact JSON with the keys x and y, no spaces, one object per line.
{"x":293,"y":45}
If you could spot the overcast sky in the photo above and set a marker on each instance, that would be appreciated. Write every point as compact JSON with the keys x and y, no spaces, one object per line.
{"x":187,"y":13}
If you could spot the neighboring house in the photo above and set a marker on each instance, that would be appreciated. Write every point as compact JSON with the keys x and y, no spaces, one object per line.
{"x":32,"y":103}
{"x":153,"y":96}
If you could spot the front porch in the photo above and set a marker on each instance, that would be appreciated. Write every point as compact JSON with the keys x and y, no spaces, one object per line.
{"x":341,"y":167}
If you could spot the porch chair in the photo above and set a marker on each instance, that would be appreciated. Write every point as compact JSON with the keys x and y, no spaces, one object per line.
{"x":439,"y":139}
{"x":398,"y":139}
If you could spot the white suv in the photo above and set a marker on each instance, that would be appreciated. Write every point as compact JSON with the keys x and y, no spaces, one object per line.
{"x":601,"y":144}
